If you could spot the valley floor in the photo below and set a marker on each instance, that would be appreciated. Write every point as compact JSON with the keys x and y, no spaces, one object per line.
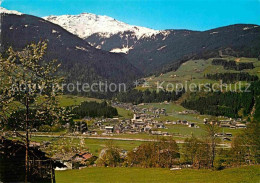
{"x":249,"y":174}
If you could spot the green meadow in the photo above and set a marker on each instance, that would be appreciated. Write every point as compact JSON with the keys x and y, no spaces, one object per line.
{"x":92,"y":145}
{"x":124,"y":113}
{"x":69,"y":100}
{"x":250,"y":174}
{"x":193,"y":71}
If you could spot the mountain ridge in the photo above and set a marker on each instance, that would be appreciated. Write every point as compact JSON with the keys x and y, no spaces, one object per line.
{"x":4,"y":10}
{"x":80,"y":61}
{"x":91,"y":25}
{"x":165,"y":50}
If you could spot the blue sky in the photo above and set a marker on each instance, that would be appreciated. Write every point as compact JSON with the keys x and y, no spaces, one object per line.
{"x":156,"y":14}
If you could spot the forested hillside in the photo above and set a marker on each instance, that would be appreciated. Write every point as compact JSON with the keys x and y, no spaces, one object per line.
{"x":147,"y":96}
{"x":232,"y":65}
{"x":79,"y":61}
{"x":94,"y":109}
{"x":232,"y":77}
{"x":229,"y":104}
{"x":166,"y":52}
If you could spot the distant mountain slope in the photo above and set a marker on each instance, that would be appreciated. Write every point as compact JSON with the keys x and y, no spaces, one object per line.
{"x":149,"y":50}
{"x":196,"y":71}
{"x":152,"y":50}
{"x":152,"y":55}
{"x":80,"y":61}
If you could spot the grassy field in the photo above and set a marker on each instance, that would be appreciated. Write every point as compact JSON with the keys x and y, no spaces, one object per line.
{"x":171,"y":107}
{"x":250,"y":174}
{"x":193,"y":72}
{"x":96,"y":145}
{"x":183,"y":130}
{"x":69,"y":100}
{"x":93,"y":145}
{"x":124,"y":113}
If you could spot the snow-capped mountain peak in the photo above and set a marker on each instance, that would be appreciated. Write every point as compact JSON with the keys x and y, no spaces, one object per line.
{"x":3,"y":10}
{"x":87,"y":24}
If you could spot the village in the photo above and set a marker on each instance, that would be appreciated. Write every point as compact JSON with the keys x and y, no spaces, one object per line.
{"x":146,"y":120}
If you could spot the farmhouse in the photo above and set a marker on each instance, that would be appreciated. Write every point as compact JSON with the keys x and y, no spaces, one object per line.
{"x":225,"y":125}
{"x":83,"y":156}
{"x":109,"y":129}
{"x":12,"y":164}
{"x":159,"y":125}
{"x":156,"y":132}
{"x":138,"y":125}
{"x":240,"y":125}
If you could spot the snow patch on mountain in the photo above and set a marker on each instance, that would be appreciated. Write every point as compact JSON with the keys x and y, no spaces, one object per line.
{"x":162,"y":47}
{"x":214,"y":33}
{"x":3,"y":10}
{"x":81,"y":48}
{"x":252,"y":27}
{"x":165,"y":34}
{"x":121,"y":50}
{"x":54,"y":31}
{"x":86,"y":24}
